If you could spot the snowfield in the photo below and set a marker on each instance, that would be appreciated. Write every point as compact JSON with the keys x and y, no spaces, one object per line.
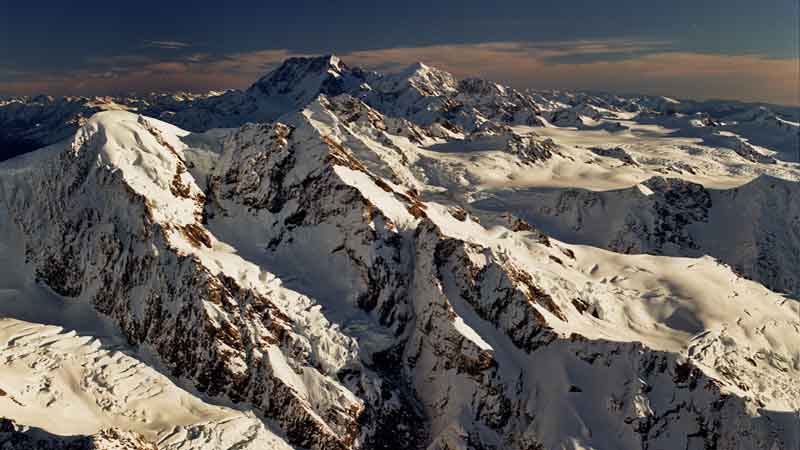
{"x":341,"y":259}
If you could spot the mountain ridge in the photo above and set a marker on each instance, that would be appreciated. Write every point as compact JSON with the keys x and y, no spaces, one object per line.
{"x":25,"y":123}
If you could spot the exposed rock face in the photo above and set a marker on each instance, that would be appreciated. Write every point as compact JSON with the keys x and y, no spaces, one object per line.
{"x":768,"y":245}
{"x":498,"y":103}
{"x":500,"y":292}
{"x":676,"y":204}
{"x":657,"y":223}
{"x":298,"y":81}
{"x":668,"y":216}
{"x":616,"y":153}
{"x":749,"y":153}
{"x":565,"y":118}
{"x":529,"y":148}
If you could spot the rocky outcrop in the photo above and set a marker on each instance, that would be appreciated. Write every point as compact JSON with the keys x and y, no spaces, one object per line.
{"x":616,"y":153}
{"x":667,"y":216}
{"x":529,"y":148}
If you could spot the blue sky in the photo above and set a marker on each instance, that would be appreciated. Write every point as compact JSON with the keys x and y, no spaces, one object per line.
{"x":708,"y":48}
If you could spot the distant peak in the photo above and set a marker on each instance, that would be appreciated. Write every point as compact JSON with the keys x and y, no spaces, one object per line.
{"x":333,"y":60}
{"x":418,"y":68}
{"x":430,"y":80}
{"x":330,"y":60}
{"x":294,"y":69}
{"x":311,"y":64}
{"x":420,"y":65}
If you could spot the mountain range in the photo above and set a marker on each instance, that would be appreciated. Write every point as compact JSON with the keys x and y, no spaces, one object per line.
{"x":342,"y":259}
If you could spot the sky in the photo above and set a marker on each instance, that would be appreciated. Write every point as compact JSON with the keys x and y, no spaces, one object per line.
{"x":734,"y":49}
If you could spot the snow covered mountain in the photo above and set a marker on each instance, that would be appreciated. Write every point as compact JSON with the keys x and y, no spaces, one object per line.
{"x":398,"y":261}
{"x":424,"y":95}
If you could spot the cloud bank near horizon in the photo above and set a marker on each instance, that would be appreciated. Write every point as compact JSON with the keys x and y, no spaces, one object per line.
{"x":617,"y":65}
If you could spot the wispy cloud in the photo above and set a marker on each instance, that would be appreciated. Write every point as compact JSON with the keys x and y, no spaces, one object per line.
{"x":170,"y":45}
{"x":622,"y":65}
{"x":198,"y":57}
{"x":196,"y":72}
{"x":118,"y":60}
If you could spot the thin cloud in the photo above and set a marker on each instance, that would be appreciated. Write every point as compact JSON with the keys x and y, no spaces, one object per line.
{"x":119,"y":59}
{"x":122,"y":74}
{"x":606,"y":46}
{"x":198,"y":57}
{"x":169,"y":45}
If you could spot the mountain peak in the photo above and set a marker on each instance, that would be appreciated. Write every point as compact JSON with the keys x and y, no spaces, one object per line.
{"x":419,"y":68}
{"x":419,"y":65}
{"x":428,"y":80}
{"x":319,"y":63}
{"x":299,"y":68}
{"x":333,"y":60}
{"x":298,"y":80}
